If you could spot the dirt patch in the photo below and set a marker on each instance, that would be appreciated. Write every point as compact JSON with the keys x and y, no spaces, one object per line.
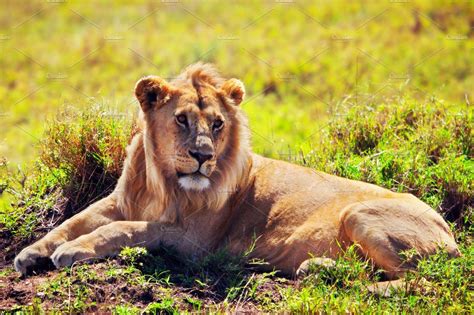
{"x":15,"y":291}
{"x":95,"y":288}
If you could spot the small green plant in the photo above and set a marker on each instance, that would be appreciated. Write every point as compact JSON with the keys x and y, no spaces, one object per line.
{"x":132,"y":255}
{"x":126,"y":310}
{"x":166,"y":306}
{"x":195,"y":303}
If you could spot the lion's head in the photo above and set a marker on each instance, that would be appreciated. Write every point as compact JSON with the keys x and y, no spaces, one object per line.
{"x":194,"y":131}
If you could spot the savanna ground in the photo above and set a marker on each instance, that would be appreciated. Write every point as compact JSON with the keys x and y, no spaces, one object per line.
{"x":379,"y":91}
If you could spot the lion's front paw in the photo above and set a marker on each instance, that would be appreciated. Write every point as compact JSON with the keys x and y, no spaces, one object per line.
{"x":68,"y":253}
{"x":28,"y":258}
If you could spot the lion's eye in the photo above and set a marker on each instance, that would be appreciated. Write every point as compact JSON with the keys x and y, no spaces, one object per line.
{"x":217,"y":124}
{"x":182,"y":120}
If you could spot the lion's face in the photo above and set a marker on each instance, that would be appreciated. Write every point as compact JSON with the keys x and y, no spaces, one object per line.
{"x":198,"y":129}
{"x":188,"y":124}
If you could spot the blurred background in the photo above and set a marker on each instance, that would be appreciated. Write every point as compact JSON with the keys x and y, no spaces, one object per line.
{"x":301,"y":62}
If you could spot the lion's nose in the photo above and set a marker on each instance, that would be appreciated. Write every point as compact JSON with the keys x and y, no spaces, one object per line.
{"x":200,"y":157}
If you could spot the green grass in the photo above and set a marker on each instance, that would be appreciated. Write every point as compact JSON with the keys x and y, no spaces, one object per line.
{"x":377,"y":91}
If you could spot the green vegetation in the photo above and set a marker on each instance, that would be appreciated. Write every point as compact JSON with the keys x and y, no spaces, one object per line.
{"x":379,"y":92}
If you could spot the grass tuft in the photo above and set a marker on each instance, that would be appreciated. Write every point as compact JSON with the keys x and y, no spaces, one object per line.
{"x":89,"y":148}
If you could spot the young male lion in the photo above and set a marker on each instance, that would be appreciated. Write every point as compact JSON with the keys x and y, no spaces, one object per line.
{"x":191,"y":181}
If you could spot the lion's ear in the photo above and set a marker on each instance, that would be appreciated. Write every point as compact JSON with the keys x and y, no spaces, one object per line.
{"x":152,"y":91}
{"x":235,"y":90}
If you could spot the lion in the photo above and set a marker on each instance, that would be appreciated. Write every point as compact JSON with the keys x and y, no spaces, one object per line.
{"x":191,"y":181}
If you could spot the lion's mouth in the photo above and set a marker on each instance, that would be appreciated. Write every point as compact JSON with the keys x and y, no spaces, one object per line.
{"x":196,"y":173}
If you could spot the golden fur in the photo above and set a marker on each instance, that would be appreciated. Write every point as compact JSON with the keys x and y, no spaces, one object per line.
{"x":191,"y":181}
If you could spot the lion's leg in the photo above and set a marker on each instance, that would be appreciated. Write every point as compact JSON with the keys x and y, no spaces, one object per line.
{"x":385,"y":228}
{"x":313,"y":265}
{"x":109,"y":239}
{"x":385,"y":288}
{"x":100,"y":213}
